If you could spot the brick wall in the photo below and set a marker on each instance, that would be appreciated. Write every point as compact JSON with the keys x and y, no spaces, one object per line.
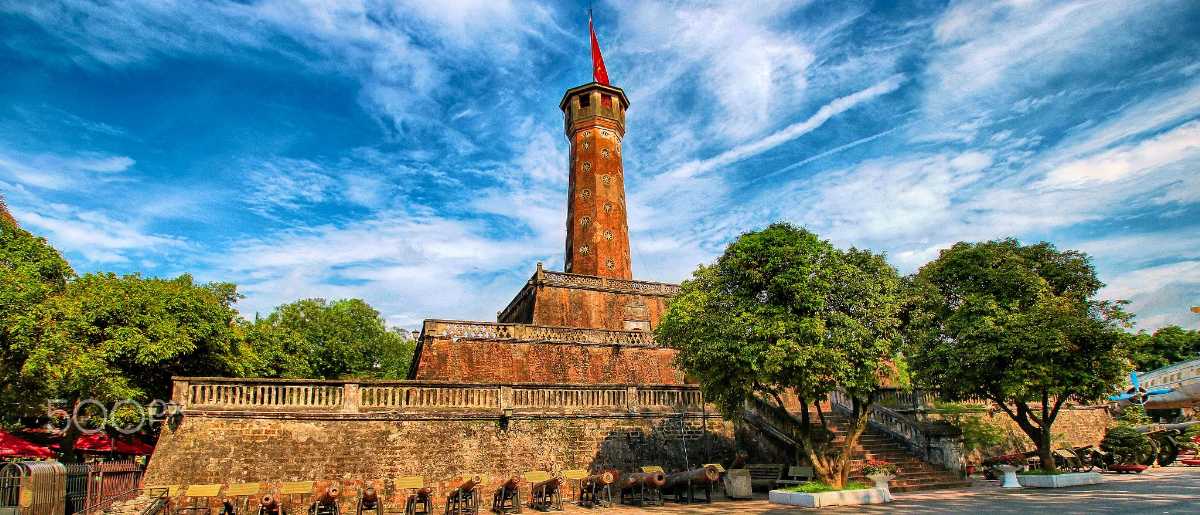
{"x":446,"y":359}
{"x":263,"y":448}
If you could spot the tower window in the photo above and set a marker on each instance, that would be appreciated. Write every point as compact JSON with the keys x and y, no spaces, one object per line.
{"x":606,"y":101}
{"x":585,"y":100}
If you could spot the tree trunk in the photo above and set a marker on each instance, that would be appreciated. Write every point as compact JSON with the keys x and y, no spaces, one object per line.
{"x":1046,"y":451}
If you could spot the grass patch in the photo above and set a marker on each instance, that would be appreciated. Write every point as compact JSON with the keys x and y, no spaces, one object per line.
{"x":816,"y":487}
{"x":1040,"y":472}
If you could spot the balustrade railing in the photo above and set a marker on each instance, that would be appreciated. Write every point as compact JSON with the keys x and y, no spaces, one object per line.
{"x":498,"y":331}
{"x":608,"y":283}
{"x":934,"y":442}
{"x":275,"y":395}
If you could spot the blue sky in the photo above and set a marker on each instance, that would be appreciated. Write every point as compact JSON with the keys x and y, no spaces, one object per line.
{"x":411,"y":153}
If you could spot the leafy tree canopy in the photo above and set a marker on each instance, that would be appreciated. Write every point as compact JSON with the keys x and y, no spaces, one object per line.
{"x":1167,"y":345}
{"x":315,"y":338}
{"x":110,"y":337}
{"x":784,"y":311}
{"x":30,"y":271}
{"x":1018,"y":325}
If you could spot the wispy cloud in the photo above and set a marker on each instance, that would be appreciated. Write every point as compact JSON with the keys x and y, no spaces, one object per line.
{"x":791,"y":132}
{"x":52,"y":171}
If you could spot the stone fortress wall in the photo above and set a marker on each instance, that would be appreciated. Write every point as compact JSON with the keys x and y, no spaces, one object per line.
{"x":272,"y":431}
{"x":487,"y":352}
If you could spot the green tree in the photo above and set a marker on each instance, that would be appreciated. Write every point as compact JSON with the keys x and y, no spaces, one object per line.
{"x":1167,"y":345}
{"x":1019,"y":326}
{"x":30,"y":272}
{"x":315,"y":338}
{"x":783,"y":312}
{"x":108,"y":337}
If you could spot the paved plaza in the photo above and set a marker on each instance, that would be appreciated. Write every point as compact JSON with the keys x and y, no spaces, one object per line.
{"x":1163,"y":490}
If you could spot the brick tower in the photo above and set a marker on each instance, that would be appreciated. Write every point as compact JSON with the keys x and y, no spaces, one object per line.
{"x":597,"y":230}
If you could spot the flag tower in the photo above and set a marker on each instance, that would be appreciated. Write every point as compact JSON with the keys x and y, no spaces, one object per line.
{"x":597,"y":227}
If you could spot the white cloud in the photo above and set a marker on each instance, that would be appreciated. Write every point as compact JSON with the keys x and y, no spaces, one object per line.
{"x":791,"y":132}
{"x":57,"y":172}
{"x":93,"y":234}
{"x":1165,"y":292}
{"x":1129,"y":160}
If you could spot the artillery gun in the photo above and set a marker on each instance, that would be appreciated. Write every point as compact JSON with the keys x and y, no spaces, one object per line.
{"x":595,"y":490}
{"x":326,"y":503}
{"x":464,"y":498}
{"x":642,"y":488}
{"x":686,"y":482}
{"x":546,"y":495}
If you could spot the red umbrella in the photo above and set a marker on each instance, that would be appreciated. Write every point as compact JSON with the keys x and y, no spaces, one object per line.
{"x":16,"y":447}
{"x":100,"y":442}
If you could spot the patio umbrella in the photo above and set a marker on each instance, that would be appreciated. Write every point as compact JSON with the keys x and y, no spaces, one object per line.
{"x":103,"y":443}
{"x":16,"y":447}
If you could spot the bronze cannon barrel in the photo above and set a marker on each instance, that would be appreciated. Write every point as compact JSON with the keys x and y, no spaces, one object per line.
{"x":650,"y":480}
{"x":369,"y":497}
{"x":512,"y":483}
{"x":550,"y":484}
{"x":469,"y":483}
{"x":601,"y":479}
{"x":329,"y":495}
{"x":698,"y":476}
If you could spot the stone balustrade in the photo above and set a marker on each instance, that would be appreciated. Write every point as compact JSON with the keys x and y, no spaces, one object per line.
{"x":524,"y":332}
{"x":566,"y":280}
{"x":366,"y":397}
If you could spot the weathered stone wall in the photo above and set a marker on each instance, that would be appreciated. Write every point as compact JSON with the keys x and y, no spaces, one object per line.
{"x":599,"y":309}
{"x":1076,"y":426}
{"x":447,"y":359}
{"x":274,"y":430}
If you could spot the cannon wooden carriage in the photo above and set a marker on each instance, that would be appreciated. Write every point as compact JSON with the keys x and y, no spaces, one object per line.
{"x":507,"y":498}
{"x":596,"y":490}
{"x":545,"y":491}
{"x":464,"y":497}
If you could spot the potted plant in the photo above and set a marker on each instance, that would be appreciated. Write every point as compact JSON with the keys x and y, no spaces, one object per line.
{"x":1128,"y":447}
{"x":880,"y":471}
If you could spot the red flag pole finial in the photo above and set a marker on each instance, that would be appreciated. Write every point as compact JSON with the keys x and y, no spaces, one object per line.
{"x":599,"y":73}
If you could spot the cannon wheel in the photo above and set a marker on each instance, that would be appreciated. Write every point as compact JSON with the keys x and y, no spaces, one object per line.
{"x":1148,"y":459}
{"x":1167,"y":452}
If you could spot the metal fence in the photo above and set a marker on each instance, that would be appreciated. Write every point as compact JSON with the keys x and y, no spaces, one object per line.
{"x":33,"y":488}
{"x":51,"y":488}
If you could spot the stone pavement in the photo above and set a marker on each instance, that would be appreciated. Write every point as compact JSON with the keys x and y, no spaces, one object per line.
{"x":1161,"y":490}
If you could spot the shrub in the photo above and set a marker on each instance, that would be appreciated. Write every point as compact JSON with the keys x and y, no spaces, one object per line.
{"x":1127,"y":445}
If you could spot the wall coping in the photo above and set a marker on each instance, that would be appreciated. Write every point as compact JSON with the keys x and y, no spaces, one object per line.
{"x":431,"y":382}
{"x":393,"y":398}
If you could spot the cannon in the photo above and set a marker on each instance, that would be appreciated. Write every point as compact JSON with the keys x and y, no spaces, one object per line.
{"x":642,"y":488}
{"x":595,"y":490}
{"x":368,"y":502}
{"x":507,"y":498}
{"x":546,"y":495}
{"x":686,"y":482}
{"x":326,"y":503}
{"x":269,"y":505}
{"x":420,"y":502}
{"x":464,"y":498}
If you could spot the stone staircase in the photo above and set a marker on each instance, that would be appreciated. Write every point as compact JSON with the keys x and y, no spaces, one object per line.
{"x":913,"y":473}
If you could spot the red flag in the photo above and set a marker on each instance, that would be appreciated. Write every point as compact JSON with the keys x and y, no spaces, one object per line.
{"x":599,"y":74}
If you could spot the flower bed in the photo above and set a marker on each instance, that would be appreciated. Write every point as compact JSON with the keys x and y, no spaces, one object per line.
{"x":815,"y":495}
{"x":1059,"y":480}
